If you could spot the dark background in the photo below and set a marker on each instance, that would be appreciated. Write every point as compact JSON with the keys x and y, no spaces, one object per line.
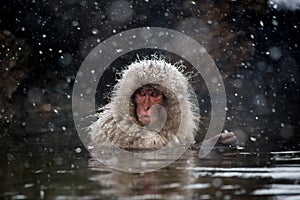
{"x":254,"y":43}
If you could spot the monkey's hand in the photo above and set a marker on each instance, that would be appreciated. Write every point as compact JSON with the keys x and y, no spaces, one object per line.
{"x":227,"y":139}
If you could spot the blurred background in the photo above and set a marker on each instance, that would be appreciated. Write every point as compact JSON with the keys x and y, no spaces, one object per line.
{"x":254,"y":43}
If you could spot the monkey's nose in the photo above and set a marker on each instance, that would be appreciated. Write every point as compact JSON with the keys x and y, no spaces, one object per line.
{"x":147,"y":104}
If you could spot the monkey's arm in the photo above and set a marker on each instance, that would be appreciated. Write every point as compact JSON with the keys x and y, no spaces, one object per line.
{"x":226,"y":140}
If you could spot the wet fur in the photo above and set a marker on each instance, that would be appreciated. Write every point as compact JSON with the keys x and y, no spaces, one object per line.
{"x":117,"y":124}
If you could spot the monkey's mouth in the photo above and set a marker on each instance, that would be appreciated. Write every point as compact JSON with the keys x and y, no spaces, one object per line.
{"x":145,"y":119}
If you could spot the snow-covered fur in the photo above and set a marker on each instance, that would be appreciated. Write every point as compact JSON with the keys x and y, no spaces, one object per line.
{"x":117,"y":123}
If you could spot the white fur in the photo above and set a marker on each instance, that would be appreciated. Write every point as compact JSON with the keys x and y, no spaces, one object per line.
{"x":115,"y":124}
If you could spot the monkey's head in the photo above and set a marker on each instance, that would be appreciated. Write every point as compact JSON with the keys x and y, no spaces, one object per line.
{"x":153,"y":93}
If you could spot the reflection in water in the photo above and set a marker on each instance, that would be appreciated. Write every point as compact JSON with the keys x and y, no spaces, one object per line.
{"x":51,"y":168}
{"x":191,"y":178}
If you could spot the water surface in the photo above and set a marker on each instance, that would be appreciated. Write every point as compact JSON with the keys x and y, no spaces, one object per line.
{"x":56,"y":166}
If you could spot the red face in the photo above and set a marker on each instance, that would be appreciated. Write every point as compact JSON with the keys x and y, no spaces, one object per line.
{"x":146,"y":99}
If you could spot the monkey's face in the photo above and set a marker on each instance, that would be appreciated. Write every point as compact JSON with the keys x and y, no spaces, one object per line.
{"x":146,"y":100}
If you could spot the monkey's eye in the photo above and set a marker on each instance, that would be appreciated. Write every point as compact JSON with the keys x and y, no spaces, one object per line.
{"x":155,"y":94}
{"x":142,"y":93}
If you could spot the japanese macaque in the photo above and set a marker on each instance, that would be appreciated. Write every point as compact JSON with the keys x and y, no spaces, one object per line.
{"x":150,"y":107}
